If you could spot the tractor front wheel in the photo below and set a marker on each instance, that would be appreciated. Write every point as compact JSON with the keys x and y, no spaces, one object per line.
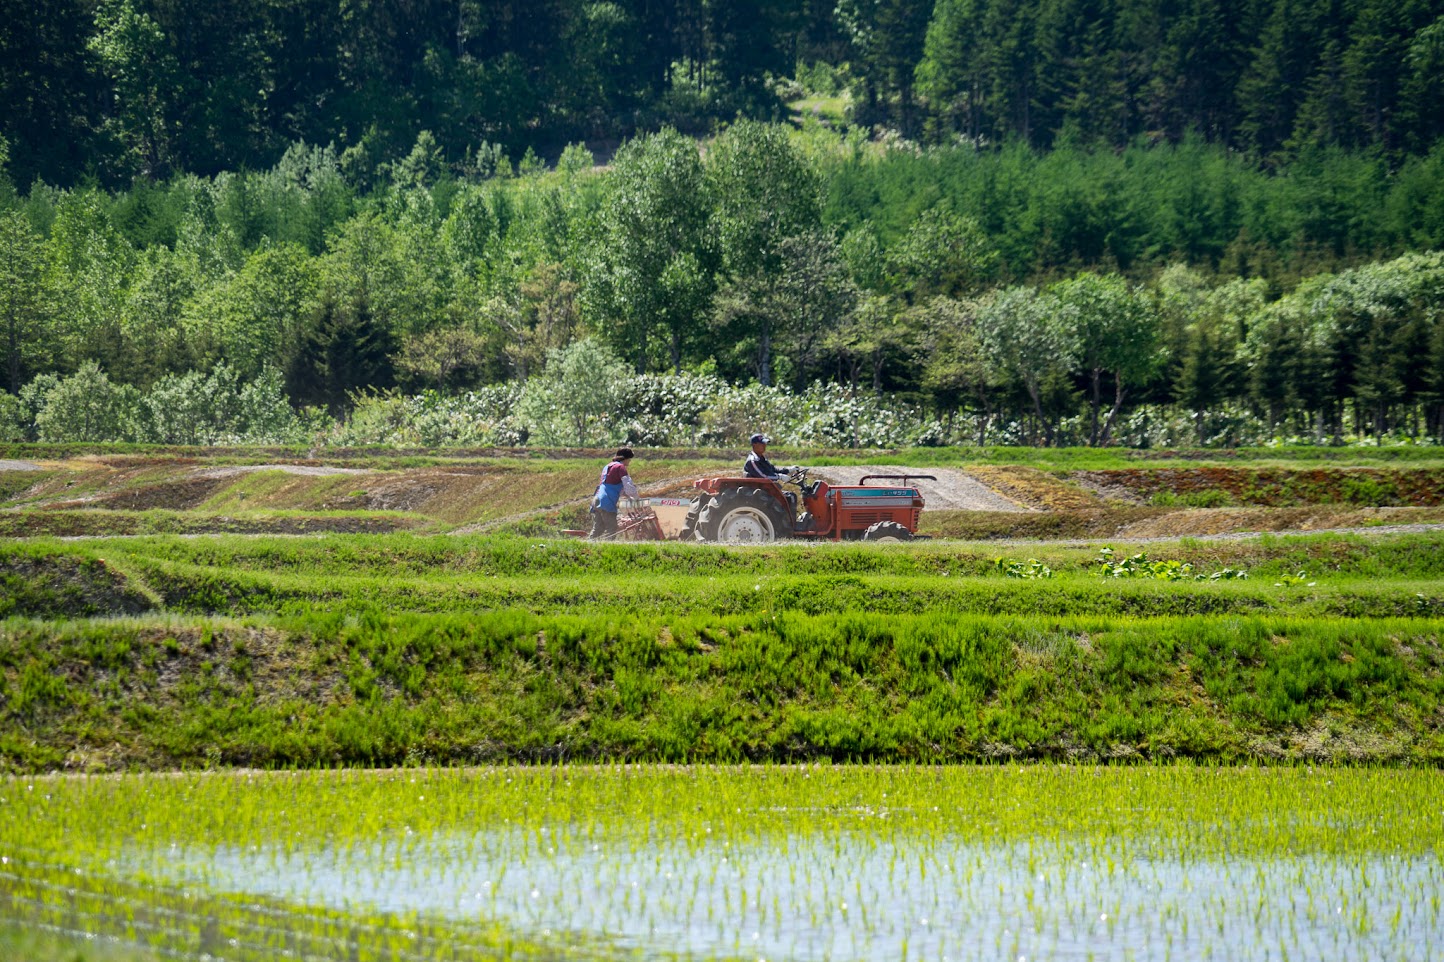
{"x":745,"y":515}
{"x":887,"y":531}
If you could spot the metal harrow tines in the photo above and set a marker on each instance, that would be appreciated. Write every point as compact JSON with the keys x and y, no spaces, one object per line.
{"x":637,"y":523}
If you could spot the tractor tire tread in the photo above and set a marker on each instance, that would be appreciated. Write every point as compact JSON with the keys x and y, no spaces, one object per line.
{"x":887,"y":531}
{"x":711,"y":517}
{"x":689,"y":526}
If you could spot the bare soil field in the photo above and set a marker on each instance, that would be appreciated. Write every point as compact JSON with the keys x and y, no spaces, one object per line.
{"x":92,"y":496}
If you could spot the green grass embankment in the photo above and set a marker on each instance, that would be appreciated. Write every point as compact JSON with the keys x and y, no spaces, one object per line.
{"x":764,"y":685}
{"x":383,"y":649}
{"x":106,"y":523}
{"x":1353,"y":577}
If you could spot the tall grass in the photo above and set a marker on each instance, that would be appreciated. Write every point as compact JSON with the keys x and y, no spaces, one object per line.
{"x":771,"y":684}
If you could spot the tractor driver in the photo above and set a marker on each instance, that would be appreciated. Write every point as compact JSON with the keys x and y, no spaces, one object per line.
{"x":758,"y":466}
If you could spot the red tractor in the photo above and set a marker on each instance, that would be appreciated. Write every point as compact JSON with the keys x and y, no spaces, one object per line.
{"x":757,"y":510}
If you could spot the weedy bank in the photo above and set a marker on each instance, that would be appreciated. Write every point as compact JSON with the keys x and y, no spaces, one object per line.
{"x":168,"y":652}
{"x":166,"y":693}
{"x":1359,"y":577}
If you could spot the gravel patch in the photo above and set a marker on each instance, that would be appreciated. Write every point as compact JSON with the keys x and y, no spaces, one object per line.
{"x":953,"y":490}
{"x":19,"y":466}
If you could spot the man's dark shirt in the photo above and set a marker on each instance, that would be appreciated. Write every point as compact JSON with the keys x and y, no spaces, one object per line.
{"x":758,"y":466}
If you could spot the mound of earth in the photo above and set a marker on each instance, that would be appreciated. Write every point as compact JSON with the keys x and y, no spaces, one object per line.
{"x":170,"y":495}
{"x":1270,"y":487}
{"x":62,"y":586}
{"x":1038,"y":490}
{"x":59,"y":523}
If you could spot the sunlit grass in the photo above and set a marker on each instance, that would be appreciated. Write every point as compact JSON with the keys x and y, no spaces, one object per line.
{"x":817,"y":107}
{"x":1352,"y":576}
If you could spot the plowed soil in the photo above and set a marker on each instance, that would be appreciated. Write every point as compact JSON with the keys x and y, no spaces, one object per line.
{"x":150,"y":494}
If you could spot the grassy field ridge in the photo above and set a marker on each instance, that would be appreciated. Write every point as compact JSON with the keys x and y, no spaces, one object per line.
{"x":782,"y":686}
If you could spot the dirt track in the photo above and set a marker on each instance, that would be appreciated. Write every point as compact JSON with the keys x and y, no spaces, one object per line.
{"x":1003,"y":504}
{"x":953,"y":490}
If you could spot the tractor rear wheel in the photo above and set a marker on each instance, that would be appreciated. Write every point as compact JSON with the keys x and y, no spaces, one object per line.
{"x":743,"y":515}
{"x":887,"y":531}
{"x":689,"y":526}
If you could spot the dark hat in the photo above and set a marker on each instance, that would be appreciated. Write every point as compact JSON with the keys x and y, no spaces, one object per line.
{"x":624,"y":453}
{"x":759,"y":439}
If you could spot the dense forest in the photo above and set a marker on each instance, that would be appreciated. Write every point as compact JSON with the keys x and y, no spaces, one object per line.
{"x":1062,"y":221}
{"x":112,"y":89}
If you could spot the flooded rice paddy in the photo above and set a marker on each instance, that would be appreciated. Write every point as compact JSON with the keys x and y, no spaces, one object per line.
{"x":808,"y":863}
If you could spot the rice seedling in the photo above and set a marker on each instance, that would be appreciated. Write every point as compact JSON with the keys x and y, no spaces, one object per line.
{"x":770,"y":862}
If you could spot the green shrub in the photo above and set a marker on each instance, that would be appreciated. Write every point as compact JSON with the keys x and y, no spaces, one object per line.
{"x":1191,"y":499}
{"x":15,"y":422}
{"x":87,"y":406}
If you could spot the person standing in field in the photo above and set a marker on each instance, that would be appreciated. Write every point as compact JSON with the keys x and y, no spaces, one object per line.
{"x":615,"y":484}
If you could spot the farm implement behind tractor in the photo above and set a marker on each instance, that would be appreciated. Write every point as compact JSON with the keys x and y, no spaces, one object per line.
{"x":757,"y":511}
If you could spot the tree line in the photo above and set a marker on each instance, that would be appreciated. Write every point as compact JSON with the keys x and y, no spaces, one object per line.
{"x":109,"y":90}
{"x":1044,"y":296}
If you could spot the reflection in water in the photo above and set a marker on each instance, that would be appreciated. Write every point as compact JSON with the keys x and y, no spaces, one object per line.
{"x":868,"y":895}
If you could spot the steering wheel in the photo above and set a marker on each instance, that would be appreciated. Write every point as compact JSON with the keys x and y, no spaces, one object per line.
{"x":797,"y":477}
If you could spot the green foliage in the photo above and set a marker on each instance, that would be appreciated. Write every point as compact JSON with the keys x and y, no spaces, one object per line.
{"x":655,"y":261}
{"x":26,"y":321}
{"x":1139,"y":566}
{"x":14,"y":419}
{"x":178,"y":409}
{"x":575,"y":400}
{"x":87,"y":406}
{"x":1117,"y":334}
{"x":217,"y":409}
{"x":942,"y":254}
{"x":724,"y":261}
{"x":1032,"y":568}
{"x":479,"y":418}
{"x":1192,"y":499}
{"x":134,"y":52}
{"x":135,"y":87}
